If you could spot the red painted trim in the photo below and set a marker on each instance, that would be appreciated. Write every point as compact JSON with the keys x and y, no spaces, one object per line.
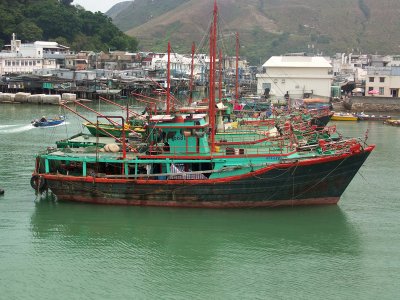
{"x":259,"y":122}
{"x":179,"y":127}
{"x":197,"y":109}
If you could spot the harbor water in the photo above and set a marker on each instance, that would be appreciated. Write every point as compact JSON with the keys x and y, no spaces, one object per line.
{"x":52,"y":250}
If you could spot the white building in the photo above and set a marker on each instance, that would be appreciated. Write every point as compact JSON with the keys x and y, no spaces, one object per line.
{"x":181,"y":65}
{"x":299,"y":76}
{"x":383,"y":81}
{"x":21,"y":58}
{"x":349,"y":67}
{"x":394,"y":61}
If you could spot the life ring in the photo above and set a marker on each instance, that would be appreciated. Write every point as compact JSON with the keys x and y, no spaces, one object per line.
{"x":38,"y":183}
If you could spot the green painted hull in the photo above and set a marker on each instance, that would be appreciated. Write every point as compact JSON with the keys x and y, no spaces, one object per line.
{"x":103,"y":129}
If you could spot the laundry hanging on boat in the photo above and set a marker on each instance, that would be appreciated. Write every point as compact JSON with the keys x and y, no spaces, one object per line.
{"x":180,"y":169}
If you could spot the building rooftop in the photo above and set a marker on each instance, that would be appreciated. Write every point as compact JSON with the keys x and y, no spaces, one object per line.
{"x":298,"y":62}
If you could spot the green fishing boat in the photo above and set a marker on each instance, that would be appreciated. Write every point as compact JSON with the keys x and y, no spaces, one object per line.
{"x":182,"y":162}
{"x":181,"y":166}
{"x":107,"y":129}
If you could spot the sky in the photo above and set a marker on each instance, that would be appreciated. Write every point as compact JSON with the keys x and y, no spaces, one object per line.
{"x":97,"y":5}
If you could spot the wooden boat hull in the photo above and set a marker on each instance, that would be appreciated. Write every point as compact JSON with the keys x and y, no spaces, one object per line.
{"x":321,"y":121}
{"x":392,"y":122}
{"x":309,"y":182}
{"x":112,"y":130}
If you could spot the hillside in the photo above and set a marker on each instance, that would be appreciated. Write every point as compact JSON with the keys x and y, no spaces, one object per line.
{"x":129,"y":14}
{"x":114,"y":11}
{"x":61,"y":21}
{"x":268,"y":27}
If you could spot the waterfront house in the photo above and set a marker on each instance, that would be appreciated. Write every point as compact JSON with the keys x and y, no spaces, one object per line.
{"x":19,"y":58}
{"x":383,"y":81}
{"x":296,"y":77}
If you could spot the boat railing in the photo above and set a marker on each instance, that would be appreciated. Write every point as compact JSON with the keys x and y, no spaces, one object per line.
{"x":254,"y":147}
{"x":138,"y":169}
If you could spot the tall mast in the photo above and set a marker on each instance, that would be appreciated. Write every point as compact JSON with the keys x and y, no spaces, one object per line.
{"x":123,"y":137}
{"x":237,"y":67}
{"x":211,"y":89}
{"x":191,"y":75}
{"x":168,"y":78}
{"x":220,"y":76}
{"x":213,"y":39}
{"x":127,"y":111}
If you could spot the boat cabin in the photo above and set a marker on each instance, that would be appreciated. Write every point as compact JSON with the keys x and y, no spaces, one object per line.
{"x":178,"y":134}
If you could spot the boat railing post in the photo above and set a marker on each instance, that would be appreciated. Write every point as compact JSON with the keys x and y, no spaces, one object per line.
{"x":123,"y":140}
{"x":47,"y":165}
{"x":168,"y":166}
{"x":126,"y":168}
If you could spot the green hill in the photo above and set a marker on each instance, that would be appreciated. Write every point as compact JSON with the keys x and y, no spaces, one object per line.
{"x":268,"y":27}
{"x":61,"y":21}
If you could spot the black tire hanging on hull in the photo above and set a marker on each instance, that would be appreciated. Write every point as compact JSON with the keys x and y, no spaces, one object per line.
{"x":38,"y":183}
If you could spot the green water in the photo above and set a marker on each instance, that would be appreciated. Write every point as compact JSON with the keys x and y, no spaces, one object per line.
{"x":51,"y":250}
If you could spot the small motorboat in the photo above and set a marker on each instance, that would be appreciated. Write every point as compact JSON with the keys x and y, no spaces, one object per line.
{"x":44,"y":122}
{"x":365,"y":117}
{"x":344,"y":117}
{"x":392,"y":122}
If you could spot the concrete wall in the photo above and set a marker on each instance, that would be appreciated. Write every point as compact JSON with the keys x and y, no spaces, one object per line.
{"x":375,"y":104}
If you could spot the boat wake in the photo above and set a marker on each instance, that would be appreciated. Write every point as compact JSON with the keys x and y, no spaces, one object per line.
{"x":15,"y":128}
{"x":8,"y":126}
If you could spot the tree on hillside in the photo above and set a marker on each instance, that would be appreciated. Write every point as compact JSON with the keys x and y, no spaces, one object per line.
{"x":29,"y":31}
{"x":59,"y":20}
{"x":66,"y":2}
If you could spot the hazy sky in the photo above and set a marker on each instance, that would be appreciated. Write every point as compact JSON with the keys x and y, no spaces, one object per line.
{"x":97,"y":5}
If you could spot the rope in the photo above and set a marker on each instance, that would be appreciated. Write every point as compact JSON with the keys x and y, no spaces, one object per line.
{"x":322,"y":179}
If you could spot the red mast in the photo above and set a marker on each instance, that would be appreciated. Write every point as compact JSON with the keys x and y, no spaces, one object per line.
{"x":213,"y":39}
{"x":237,"y":67}
{"x":168,"y":78}
{"x":191,"y":75}
{"x":220,"y":76}
{"x":211,"y":89}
